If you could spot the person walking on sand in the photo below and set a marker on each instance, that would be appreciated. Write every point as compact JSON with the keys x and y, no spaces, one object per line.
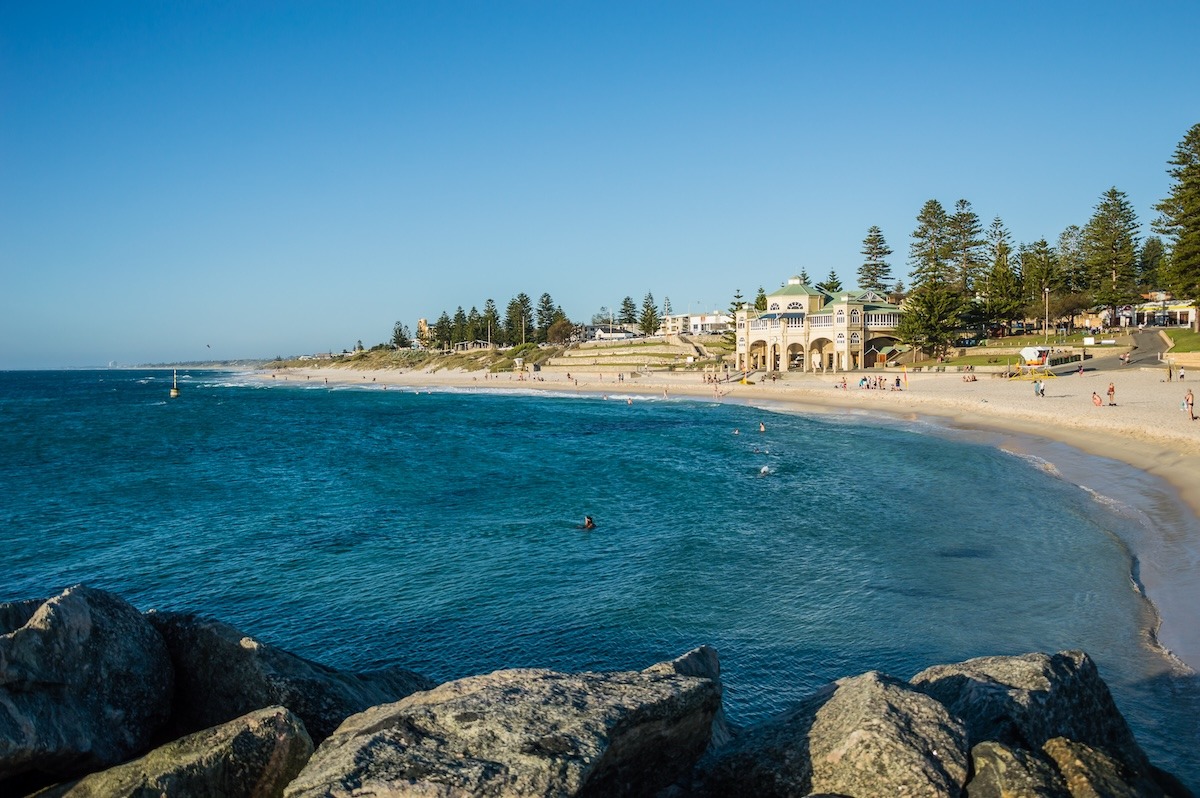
{"x":1112,"y":392}
{"x":1181,"y":373}
{"x":1037,"y":387}
{"x":1188,"y":400}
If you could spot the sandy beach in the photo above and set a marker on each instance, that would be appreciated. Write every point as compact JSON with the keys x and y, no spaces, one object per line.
{"x":1145,"y":428}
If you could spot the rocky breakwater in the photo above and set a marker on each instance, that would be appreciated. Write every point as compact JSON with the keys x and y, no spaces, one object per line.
{"x":1034,"y":725}
{"x":87,"y":681}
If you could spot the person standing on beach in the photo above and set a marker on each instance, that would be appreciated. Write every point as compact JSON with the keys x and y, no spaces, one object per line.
{"x":1188,"y":400}
{"x":1037,"y":387}
{"x":1112,"y":392}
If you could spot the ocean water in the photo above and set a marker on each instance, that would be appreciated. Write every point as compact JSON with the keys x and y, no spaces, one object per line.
{"x":365,"y":527}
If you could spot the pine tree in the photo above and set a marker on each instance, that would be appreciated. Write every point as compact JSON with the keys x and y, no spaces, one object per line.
{"x":1179,"y":218}
{"x":1039,"y":269}
{"x":1110,"y":246}
{"x":930,"y":248}
{"x":442,"y":331}
{"x":666,"y":306}
{"x":545,"y":316}
{"x":518,"y":320}
{"x":831,"y":284}
{"x":489,"y":324}
{"x":804,"y":278}
{"x":1071,"y":266}
{"x":458,"y":332}
{"x":1152,"y":264}
{"x":966,"y":247}
{"x":629,"y":312}
{"x":875,"y":273}
{"x":649,"y":321}
{"x":760,"y":300}
{"x":400,"y":336}
{"x":729,"y":337}
{"x":474,"y":325}
{"x":932,"y":317}
{"x":1004,"y":298}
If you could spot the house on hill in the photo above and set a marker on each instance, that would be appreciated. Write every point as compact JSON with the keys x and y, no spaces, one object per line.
{"x":807,"y":329}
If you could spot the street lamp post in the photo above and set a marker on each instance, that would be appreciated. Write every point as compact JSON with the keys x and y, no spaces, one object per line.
{"x":1046,"y":294}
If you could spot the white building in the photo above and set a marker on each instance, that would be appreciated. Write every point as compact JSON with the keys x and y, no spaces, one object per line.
{"x":706,"y":323}
{"x":805,"y":328}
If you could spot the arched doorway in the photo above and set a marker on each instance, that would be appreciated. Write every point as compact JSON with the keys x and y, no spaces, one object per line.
{"x":795,"y":357}
{"x":757,"y":353}
{"x":820,"y":355}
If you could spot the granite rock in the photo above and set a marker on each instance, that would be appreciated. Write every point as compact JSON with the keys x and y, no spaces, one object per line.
{"x":705,"y":663}
{"x":1004,"y":772}
{"x":1024,"y":701}
{"x":254,"y":756}
{"x":869,"y":735}
{"x":85,"y":682}
{"x":222,"y":673}
{"x":521,"y":733}
{"x":1091,"y":773}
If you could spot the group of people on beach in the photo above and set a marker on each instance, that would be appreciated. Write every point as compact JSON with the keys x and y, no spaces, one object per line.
{"x":875,"y":383}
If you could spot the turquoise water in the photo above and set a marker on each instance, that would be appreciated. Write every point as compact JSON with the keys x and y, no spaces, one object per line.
{"x":364,"y":527}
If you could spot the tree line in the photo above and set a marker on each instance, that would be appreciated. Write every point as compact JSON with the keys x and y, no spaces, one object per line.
{"x":964,"y":275}
{"x":968,"y":276}
{"x":523,"y":322}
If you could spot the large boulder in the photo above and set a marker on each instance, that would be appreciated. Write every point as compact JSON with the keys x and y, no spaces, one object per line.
{"x":705,"y":663}
{"x":1004,"y":772}
{"x":222,"y":673}
{"x":863,"y":736}
{"x":1026,"y":700}
{"x":85,"y":682}
{"x":521,"y":733}
{"x":253,"y":756}
{"x":1090,"y":773}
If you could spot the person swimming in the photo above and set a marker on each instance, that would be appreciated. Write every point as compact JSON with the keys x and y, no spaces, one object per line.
{"x":588,"y":523}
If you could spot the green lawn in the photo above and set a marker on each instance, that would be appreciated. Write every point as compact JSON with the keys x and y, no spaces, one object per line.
{"x":1185,"y":340}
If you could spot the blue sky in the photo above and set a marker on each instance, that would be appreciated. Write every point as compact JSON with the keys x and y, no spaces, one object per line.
{"x":181,"y":181}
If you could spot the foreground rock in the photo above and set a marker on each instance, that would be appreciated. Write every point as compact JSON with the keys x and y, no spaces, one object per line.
{"x":222,"y":673}
{"x":705,"y":663}
{"x":521,"y":733}
{"x":870,"y":735}
{"x":1004,"y":772}
{"x":254,"y":756}
{"x":1026,"y":702}
{"x":85,"y":682}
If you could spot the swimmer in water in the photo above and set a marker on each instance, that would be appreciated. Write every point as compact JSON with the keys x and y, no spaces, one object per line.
{"x":588,"y":523}
{"x":762,"y":427}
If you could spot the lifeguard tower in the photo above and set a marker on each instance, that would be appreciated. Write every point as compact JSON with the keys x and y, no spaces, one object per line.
{"x":1035,"y":364}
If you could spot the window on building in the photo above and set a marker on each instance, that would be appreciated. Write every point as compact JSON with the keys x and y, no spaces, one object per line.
{"x":841,"y":316}
{"x":774,"y":306}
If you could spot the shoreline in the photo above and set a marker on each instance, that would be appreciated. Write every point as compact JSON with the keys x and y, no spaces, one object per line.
{"x":1145,"y":431}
